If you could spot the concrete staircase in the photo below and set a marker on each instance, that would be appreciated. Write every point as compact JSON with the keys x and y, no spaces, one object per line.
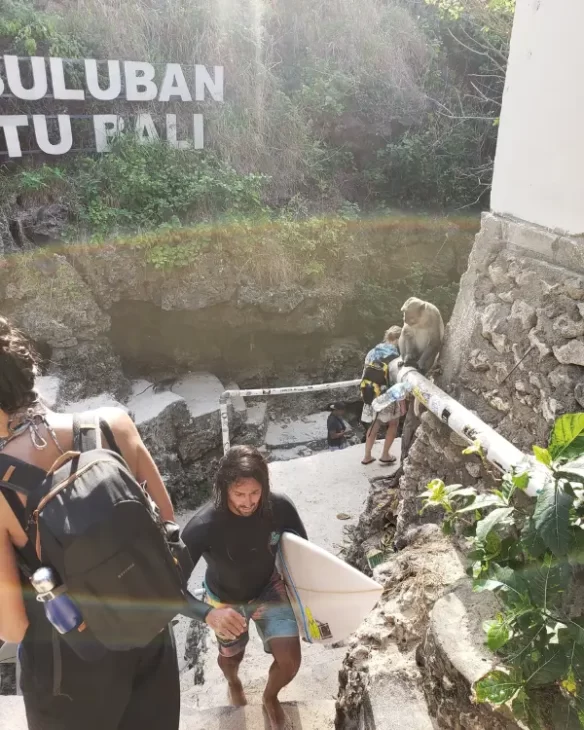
{"x":322,"y":486}
{"x":317,"y":715}
{"x":300,"y":716}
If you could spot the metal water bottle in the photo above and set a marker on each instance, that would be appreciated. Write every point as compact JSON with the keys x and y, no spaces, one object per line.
{"x":59,"y":608}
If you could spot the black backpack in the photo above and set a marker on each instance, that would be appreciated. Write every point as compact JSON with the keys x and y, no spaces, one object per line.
{"x":375,"y":380}
{"x":92,"y":522}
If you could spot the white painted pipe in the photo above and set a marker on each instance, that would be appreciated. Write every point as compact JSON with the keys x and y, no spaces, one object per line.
{"x":496,"y":449}
{"x":228,"y":394}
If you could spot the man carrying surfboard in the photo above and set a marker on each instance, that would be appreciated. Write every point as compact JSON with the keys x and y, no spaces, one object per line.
{"x":237,"y":533}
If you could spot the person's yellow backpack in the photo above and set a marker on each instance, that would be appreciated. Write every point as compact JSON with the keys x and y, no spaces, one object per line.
{"x":375,"y":379}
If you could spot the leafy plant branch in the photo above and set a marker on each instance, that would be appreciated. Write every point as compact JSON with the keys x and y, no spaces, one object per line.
{"x":527,"y":555}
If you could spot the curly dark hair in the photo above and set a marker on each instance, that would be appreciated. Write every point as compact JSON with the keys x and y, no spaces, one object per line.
{"x":242,"y":462}
{"x":18,"y":368}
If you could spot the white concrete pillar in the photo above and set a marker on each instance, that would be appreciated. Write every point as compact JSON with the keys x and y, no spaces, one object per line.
{"x":539,"y":166}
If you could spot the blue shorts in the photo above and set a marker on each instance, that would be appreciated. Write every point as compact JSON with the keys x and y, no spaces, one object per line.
{"x":271,"y":612}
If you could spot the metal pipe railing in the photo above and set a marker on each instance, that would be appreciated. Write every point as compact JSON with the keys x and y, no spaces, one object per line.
{"x":496,"y":449}
{"x":228,"y":394}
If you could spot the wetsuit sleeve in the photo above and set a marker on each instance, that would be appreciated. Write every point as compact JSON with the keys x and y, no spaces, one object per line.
{"x":195,"y":538}
{"x":290,"y":519}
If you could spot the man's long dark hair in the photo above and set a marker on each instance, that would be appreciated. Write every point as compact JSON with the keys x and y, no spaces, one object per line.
{"x":242,"y":462}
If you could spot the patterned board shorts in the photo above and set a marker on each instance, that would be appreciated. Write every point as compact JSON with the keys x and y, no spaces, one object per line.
{"x":271,"y":612}
{"x":389,"y":413}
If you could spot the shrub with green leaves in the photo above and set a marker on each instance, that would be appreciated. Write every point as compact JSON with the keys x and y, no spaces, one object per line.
{"x":529,"y":554}
{"x":143,"y":186}
{"x":26,"y":31}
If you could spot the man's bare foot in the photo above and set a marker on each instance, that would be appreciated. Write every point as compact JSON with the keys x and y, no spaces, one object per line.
{"x":236,"y":694}
{"x":275,"y":713}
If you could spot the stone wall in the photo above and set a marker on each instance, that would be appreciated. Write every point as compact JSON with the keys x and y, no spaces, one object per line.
{"x":514,"y":351}
{"x":513,"y":354}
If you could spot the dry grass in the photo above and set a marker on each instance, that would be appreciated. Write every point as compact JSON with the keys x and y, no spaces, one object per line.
{"x":267,"y":46}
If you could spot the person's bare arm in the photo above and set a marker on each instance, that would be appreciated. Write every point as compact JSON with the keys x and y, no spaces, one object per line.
{"x":13,"y":619}
{"x":138,"y":458}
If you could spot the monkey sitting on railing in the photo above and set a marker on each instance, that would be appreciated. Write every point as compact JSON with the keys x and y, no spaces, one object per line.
{"x":419,"y":345}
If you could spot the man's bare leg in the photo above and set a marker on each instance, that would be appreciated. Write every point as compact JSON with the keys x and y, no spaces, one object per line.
{"x":389,"y":439}
{"x":230,"y":668}
{"x":370,"y":441}
{"x":287,"y":658}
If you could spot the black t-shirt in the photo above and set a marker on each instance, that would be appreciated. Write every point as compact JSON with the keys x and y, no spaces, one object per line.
{"x":240,"y":551}
{"x":334,"y":424}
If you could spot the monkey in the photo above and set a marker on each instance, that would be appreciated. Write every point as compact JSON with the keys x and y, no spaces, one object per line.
{"x":160,"y":385}
{"x":164,"y":384}
{"x":419,"y":347}
{"x":422,"y":334}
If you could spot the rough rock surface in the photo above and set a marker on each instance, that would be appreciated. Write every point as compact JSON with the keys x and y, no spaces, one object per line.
{"x":7,"y":244}
{"x":46,"y":298}
{"x":380,"y":676}
{"x":513,"y":354}
{"x":182,"y":429}
{"x":41,"y":225}
{"x":453,"y":656}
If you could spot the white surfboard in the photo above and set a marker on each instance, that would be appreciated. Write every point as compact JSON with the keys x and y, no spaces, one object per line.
{"x":330,"y":598}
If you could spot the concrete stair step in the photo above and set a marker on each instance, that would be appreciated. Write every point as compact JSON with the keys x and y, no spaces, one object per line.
{"x":302,"y":689}
{"x":300,"y":716}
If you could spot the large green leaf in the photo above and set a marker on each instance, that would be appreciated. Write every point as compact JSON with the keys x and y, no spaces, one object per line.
{"x":531,"y":540}
{"x":565,"y":715}
{"x":551,"y":518}
{"x":505,"y":579}
{"x":498,"y":634}
{"x":493,"y":519}
{"x":547,"y":582}
{"x":483,"y":501}
{"x":496,"y":687}
{"x":573,"y":471}
{"x":567,"y":438}
{"x":552,"y":665}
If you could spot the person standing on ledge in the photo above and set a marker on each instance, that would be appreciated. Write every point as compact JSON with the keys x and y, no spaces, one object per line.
{"x":378,"y":359}
{"x":237,"y":533}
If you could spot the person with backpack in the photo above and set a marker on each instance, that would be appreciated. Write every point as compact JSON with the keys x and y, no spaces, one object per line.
{"x":89,"y":561}
{"x":374,"y":382}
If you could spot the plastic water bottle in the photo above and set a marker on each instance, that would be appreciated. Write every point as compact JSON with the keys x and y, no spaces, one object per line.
{"x":59,"y":608}
{"x":397,"y":392}
{"x":64,"y":615}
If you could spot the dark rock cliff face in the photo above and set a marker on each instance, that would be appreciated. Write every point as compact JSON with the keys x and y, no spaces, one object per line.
{"x":103,"y":311}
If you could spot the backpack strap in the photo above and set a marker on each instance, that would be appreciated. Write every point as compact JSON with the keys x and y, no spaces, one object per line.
{"x":106,"y":430}
{"x":18,"y":477}
{"x":88,"y":429}
{"x":86,"y":432}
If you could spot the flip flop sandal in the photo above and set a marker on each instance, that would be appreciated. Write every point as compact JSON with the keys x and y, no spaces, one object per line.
{"x":366,"y":463}
{"x":387,"y":462}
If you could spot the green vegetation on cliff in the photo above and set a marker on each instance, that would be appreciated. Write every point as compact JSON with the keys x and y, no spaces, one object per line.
{"x":380,"y":102}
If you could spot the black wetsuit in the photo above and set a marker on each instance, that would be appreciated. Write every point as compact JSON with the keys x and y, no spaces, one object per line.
{"x":240,"y":551}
